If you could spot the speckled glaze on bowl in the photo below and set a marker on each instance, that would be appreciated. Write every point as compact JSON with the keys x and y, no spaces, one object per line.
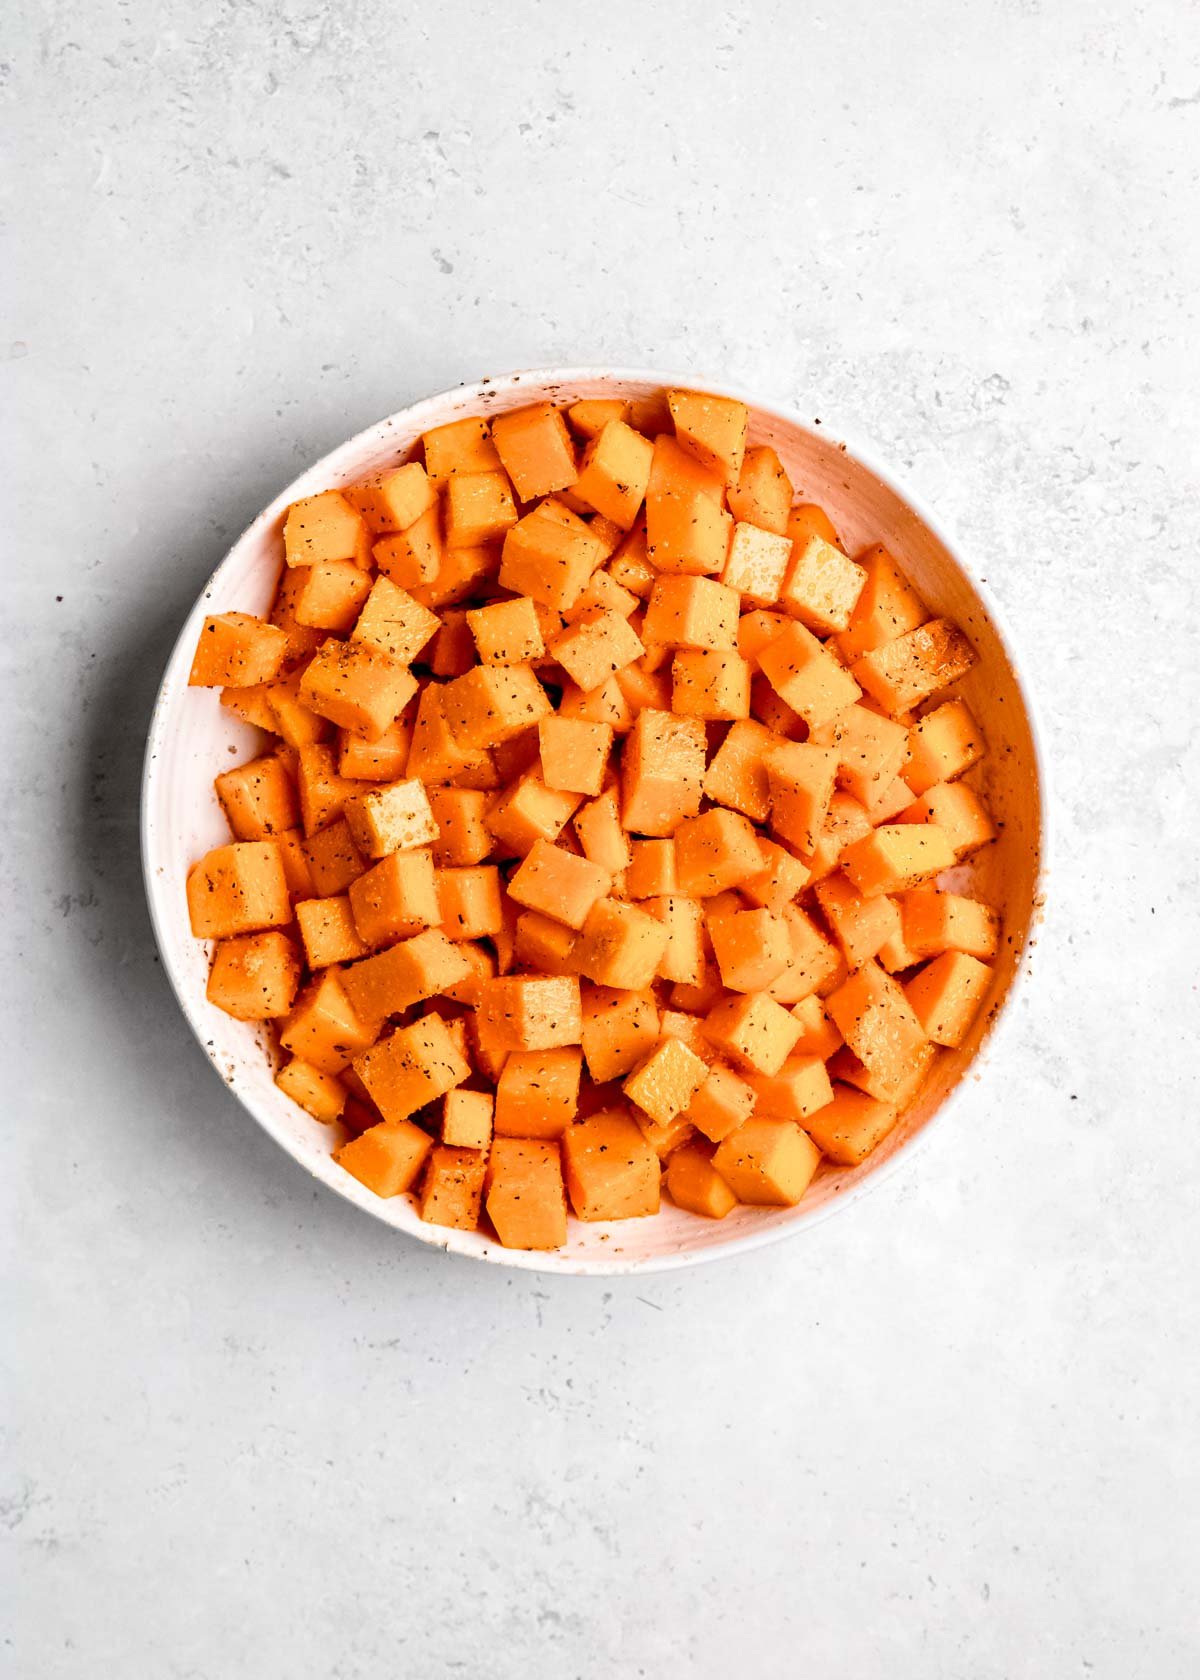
{"x":192,"y":737}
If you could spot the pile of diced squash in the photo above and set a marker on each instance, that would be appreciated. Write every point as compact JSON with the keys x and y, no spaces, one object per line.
{"x":596,"y":846}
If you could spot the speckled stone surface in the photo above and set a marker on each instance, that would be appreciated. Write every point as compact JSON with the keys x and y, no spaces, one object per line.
{"x":951,"y":1434}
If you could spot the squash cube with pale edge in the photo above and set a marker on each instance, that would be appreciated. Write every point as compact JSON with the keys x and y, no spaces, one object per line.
{"x":254,"y":976}
{"x":807,"y":676}
{"x":851,"y":1126}
{"x":452,"y":1190}
{"x":687,"y":529}
{"x":236,"y":889}
{"x":537,"y":1094}
{"x":391,"y":819}
{"x":891,"y":1083}
{"x":799,"y":1089}
{"x":737,"y":775}
{"x":662,"y":773}
{"x":535,"y":449}
{"x":492,"y":703}
{"x":691,"y":612}
{"x":861,"y":926}
{"x":334,"y":861}
{"x":460,"y":446}
{"x":558,"y":883}
{"x":470,"y":902}
{"x":710,"y":684}
{"x":394,"y":500}
{"x":325,"y":527}
{"x":527,"y":812}
{"x":620,"y":945}
{"x":320,"y":1094}
{"x":752,"y":948}
{"x":507,"y":632}
{"x":411,"y":1067}
{"x":769,"y":1163}
{"x":529,"y":1012}
{"x":934,"y":921}
{"x":395,"y":899}
{"x":958,"y":811}
{"x":753,"y":1031}
{"x":779,"y":882}
{"x":524,"y":1193}
{"x":611,"y":1170}
{"x":620,"y":1027}
{"x":871,"y":751}
{"x":722,"y":1104}
{"x":757,"y":564}
{"x":897,"y":856}
{"x":878,"y":1022}
{"x":762,"y":495}
{"x":467,"y":1118}
{"x":714,"y":852}
{"x":664,"y":1084}
{"x":414,"y":559}
{"x":328,"y":931}
{"x":383,"y":760}
{"x":683,"y":960}
{"x":574,"y":754}
{"x":946,"y":996}
{"x":693,"y":1183}
{"x":387,"y":1158}
{"x":357,"y":686}
{"x":942,"y":745}
{"x":615,"y":472}
{"x":651,"y":871}
{"x":801,"y":780}
{"x":462,"y":836}
{"x":915,"y":666}
{"x":393,"y":621}
{"x":813,"y":961}
{"x":822,"y":586}
{"x":331,"y":595}
{"x":237,"y":650}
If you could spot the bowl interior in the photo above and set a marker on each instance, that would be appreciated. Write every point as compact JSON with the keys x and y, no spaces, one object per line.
{"x":193,"y":737}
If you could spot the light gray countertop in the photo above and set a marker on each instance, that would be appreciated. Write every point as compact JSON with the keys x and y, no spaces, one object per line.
{"x":951,"y":1434}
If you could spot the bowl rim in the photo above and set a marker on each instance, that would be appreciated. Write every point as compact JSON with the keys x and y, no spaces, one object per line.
{"x":562,"y":1262}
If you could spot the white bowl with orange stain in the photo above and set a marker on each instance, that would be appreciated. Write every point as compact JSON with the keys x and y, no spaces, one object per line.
{"x":193,"y":737}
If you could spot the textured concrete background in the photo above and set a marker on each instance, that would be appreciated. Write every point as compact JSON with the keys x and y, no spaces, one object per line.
{"x":951,"y":1435}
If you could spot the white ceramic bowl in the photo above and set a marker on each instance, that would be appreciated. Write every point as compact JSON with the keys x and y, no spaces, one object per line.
{"x":192,"y":737}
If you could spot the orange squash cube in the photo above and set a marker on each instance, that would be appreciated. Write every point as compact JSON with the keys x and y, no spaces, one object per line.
{"x":404,"y":974}
{"x":331,"y":595}
{"x":934,"y":922}
{"x":236,"y":889}
{"x":878,"y":1023}
{"x":357,"y":686}
{"x":258,"y":798}
{"x":763,"y":493}
{"x":807,"y":677}
{"x":851,"y":1126}
{"x":594,"y":413}
{"x":769,"y":1163}
{"x":334,"y":861}
{"x":296,"y":870}
{"x":382,"y":760}
{"x":619,"y":1028}
{"x":683,"y":918}
{"x":323,"y":790}
{"x":507,"y":632}
{"x":392,"y":620}
{"x":611,"y":1171}
{"x":822,"y":586}
{"x":958,"y":812}
{"x":549,"y":556}
{"x":818,"y":1035}
{"x":492,"y":703}
{"x":664,"y":1083}
{"x":752,"y":948}
{"x":691,"y":612}
{"x":757,"y":564}
{"x":714,"y":852}
{"x":322,"y":1095}
{"x":479,"y":509}
{"x":806,"y":520}
{"x":460,"y":446}
{"x":537,"y":1094}
{"x":752,"y":1031}
{"x":325,"y":527}
{"x":687,"y":528}
{"x":395,"y":899}
{"x":801,"y":780}
{"x":387,"y":1158}
{"x":887,"y":607}
{"x":574,"y":754}
{"x":907,"y":671}
{"x":393,"y":500}
{"x":558,"y":884}
{"x":897,"y":857}
{"x":713,"y":429}
{"x":651,"y":872}
{"x":323,"y":1027}
{"x":328,"y":931}
{"x":529,"y":811}
{"x":946,"y":996}
{"x":467,"y":1119}
{"x":254,"y":976}
{"x":543,"y":945}
{"x":452,"y":1191}
{"x":813,"y":961}
{"x":723,"y":1102}
{"x":861,"y":926}
{"x":434,"y":754}
{"x":693,"y":1183}
{"x":737,"y":774}
{"x":469,"y":902}
{"x":620,"y":945}
{"x":595,"y":647}
{"x":237,"y":650}
{"x":662,"y":773}
{"x":535,"y":449}
{"x":524,"y":1193}
{"x":942,"y":745}
{"x":615,"y":472}
{"x":411,"y":1067}
{"x":711,"y":685}
{"x":799,"y":1089}
{"x":462,"y":833}
{"x":781,"y":879}
{"x":529,"y":1012}
{"x":416,"y":558}
{"x":757,"y":630}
